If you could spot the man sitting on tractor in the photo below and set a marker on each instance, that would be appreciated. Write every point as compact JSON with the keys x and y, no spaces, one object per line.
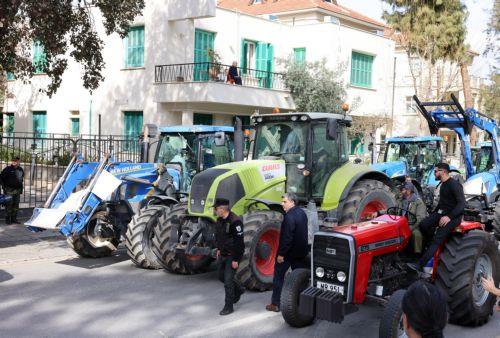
{"x":446,"y":216}
{"x":411,"y":204}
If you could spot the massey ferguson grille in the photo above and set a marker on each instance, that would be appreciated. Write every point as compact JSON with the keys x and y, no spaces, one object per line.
{"x":334,"y":253}
{"x":200,"y":186}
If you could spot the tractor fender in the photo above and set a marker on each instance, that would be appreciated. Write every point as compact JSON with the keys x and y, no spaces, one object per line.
{"x":272,"y":205}
{"x":365,"y":174}
{"x":164,"y":200}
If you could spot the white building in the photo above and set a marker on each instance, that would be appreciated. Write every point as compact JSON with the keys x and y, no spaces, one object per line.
{"x":160,"y":72}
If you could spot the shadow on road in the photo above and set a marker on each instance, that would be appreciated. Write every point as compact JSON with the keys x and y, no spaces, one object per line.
{"x":93,"y":263}
{"x":5,"y":276}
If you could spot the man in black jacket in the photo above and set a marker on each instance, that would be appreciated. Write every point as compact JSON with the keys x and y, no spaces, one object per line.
{"x":12,"y":180}
{"x":230,"y":249}
{"x":446,"y":216}
{"x":293,"y":247}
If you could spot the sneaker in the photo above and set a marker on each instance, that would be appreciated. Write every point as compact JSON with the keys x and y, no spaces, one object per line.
{"x":272,"y":307}
{"x":226,"y":311}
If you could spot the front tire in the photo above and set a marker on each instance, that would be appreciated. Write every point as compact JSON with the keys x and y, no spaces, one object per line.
{"x":261,"y":236}
{"x":365,"y":198}
{"x":391,"y":323}
{"x":295,"y":282}
{"x":81,"y":243}
{"x":139,"y":236}
{"x":463,"y":261}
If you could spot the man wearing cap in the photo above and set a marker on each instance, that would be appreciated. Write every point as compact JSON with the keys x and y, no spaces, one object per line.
{"x":446,"y":216}
{"x":230,"y":249}
{"x":410,"y":202}
{"x":12,"y":180}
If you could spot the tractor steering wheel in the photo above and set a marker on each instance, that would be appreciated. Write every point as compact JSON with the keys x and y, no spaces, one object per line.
{"x":392,"y":212}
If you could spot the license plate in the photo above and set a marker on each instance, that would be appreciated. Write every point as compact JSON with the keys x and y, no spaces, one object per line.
{"x":330,"y":287}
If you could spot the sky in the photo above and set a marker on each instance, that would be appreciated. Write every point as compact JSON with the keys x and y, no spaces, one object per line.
{"x":479,"y":14}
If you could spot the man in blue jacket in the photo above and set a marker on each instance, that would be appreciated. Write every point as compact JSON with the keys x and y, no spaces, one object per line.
{"x":293,"y":247}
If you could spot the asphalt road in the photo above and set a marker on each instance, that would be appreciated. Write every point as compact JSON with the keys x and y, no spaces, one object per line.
{"x":48,"y":291}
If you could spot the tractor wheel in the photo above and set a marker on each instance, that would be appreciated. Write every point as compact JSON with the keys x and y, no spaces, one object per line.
{"x":496,"y":222}
{"x":81,"y":243}
{"x":295,"y":282}
{"x":166,"y":234}
{"x":262,"y":234}
{"x":139,"y":236}
{"x":464,"y":260}
{"x":365,"y":198}
{"x":391,"y":323}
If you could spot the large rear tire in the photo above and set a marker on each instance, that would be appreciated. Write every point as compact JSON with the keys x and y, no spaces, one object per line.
{"x":81,"y":243}
{"x":295,"y":282}
{"x":365,"y":198}
{"x":462,"y":263}
{"x":496,"y":222}
{"x":391,"y":323}
{"x":139,"y":236}
{"x":166,"y":235}
{"x":261,"y":235}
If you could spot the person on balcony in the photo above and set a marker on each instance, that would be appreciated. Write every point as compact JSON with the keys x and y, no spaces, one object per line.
{"x":232,"y":75}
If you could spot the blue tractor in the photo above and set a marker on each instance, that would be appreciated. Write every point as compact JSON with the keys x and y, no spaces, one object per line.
{"x":96,"y":205}
{"x":482,"y":169}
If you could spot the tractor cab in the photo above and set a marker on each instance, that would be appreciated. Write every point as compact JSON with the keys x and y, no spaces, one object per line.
{"x":192,"y":149}
{"x":313,"y":146}
{"x":483,"y":157}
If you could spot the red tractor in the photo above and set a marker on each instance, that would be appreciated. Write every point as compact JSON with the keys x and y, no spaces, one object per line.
{"x":353,"y":263}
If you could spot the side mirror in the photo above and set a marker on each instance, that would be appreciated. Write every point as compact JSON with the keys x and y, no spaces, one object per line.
{"x":220,"y":138}
{"x":332,"y":127}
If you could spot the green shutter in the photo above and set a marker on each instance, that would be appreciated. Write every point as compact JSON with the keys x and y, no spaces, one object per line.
{"x":39,"y":123}
{"x":264,"y":63}
{"x":39,"y":59}
{"x":203,"y":119}
{"x":134,"y":47}
{"x":299,"y":55}
{"x":10,"y":76}
{"x":203,"y":41}
{"x":75,"y":126}
{"x":132,"y":121}
{"x":361,"y":70}
{"x":8,"y":124}
{"x":244,"y":50}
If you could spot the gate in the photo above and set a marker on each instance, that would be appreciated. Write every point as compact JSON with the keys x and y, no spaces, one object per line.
{"x":45,"y":157}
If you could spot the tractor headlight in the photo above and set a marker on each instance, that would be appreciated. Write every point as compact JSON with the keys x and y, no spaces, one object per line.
{"x":320,"y":272}
{"x":341,"y":276}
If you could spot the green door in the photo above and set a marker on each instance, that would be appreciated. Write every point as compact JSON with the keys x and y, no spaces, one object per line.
{"x":203,"y":42}
{"x":132,"y":129}
{"x":39,"y":123}
{"x":203,"y":119}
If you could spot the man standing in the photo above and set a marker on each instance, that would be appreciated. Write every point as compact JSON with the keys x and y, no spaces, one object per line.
{"x":12,"y":179}
{"x":412,"y":203}
{"x":293,"y":247}
{"x":446,"y":216}
{"x":230,"y":249}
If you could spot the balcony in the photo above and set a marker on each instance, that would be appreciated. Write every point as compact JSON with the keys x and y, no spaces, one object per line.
{"x":206,"y":85}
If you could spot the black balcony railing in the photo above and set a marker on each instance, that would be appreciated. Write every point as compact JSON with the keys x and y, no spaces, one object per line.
{"x":215,"y":72}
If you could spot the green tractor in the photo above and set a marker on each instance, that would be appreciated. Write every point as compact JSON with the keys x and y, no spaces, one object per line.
{"x":303,"y":153}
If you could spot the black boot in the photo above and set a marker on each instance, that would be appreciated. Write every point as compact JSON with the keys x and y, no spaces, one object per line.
{"x":238,"y":292}
{"x":226,"y":310}
{"x":14,"y":220}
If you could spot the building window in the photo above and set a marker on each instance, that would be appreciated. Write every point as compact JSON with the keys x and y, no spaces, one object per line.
{"x":203,"y":119}
{"x":39,"y":123}
{"x":10,"y":76}
{"x":411,"y":106}
{"x":203,"y":43}
{"x":134,"y":47}
{"x":39,"y":58}
{"x":259,"y":56}
{"x":75,"y":126}
{"x":299,"y":55}
{"x":247,"y":55}
{"x":361,"y":70}
{"x":132,"y":122}
{"x":8,"y":124}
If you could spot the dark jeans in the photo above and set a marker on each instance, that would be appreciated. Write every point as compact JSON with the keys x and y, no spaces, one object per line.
{"x":12,"y":207}
{"x":279,"y":275}
{"x":431,"y":230}
{"x":226,"y":276}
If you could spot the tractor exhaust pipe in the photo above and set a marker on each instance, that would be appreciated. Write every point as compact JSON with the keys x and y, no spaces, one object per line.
{"x":238,"y":140}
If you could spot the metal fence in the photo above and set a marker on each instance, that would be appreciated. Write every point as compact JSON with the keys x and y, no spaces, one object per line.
{"x":45,"y":157}
{"x":216,"y":72}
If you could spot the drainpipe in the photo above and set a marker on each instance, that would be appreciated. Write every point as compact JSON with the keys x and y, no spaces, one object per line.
{"x":90,"y":116}
{"x":393,"y":93}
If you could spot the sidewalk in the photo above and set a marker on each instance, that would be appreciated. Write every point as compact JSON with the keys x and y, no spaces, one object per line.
{"x":18,"y":244}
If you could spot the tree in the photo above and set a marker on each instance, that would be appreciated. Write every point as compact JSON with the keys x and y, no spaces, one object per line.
{"x":61,"y":29}
{"x":314,"y":87}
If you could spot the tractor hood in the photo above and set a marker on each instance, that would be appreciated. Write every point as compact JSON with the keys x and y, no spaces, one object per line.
{"x":238,"y":182}
{"x":391,"y":169}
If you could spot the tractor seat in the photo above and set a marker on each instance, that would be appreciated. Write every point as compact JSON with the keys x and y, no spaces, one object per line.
{"x":466,"y":226}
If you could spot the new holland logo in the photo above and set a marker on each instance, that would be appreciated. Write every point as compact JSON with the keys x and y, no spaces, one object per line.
{"x":331,"y":251}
